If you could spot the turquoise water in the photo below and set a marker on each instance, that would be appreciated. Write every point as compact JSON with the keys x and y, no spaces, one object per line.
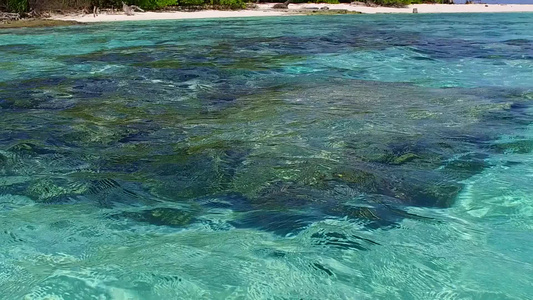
{"x":340,"y":157}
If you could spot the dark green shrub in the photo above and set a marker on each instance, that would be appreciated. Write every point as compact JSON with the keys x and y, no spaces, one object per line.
{"x":231,"y":4}
{"x":392,"y":3}
{"x":107,"y":3}
{"x":152,"y":4}
{"x":19,"y":6}
{"x":52,"y":5}
{"x":191,"y":2}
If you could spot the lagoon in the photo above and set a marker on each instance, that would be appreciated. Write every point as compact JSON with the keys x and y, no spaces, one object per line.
{"x":317,"y":157}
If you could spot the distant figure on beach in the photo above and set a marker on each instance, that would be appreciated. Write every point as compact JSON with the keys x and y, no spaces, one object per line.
{"x":284,"y":5}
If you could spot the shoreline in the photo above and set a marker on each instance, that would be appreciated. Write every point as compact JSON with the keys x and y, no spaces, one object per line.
{"x":174,"y":15}
{"x":265,"y":10}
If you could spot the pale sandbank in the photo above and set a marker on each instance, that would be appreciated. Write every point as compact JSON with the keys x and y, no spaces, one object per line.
{"x":265,"y":10}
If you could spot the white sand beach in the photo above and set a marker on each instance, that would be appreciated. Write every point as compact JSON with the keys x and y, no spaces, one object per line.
{"x":176,"y":15}
{"x":422,"y":8}
{"x":442,"y":8}
{"x":265,"y":10}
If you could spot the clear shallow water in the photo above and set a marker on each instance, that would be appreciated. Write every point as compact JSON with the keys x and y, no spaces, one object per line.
{"x":350,"y":157}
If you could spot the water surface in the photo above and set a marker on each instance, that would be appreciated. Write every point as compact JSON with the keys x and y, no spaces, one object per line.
{"x":344,"y":157}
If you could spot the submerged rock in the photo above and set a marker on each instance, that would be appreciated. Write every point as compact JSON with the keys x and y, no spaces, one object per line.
{"x":163,"y":216}
{"x":3,"y":161}
{"x":467,"y":165}
{"x":54,"y":190}
{"x":29,"y":149}
{"x":520,"y":147}
{"x":280,"y":223}
{"x":198,"y":170}
{"x":418,"y":187}
{"x":374,"y":211}
{"x":233,"y":201}
{"x":402,"y":159}
{"x":342,"y":241}
{"x":285,"y":196}
{"x":431,"y":194}
{"x":216,"y":128}
{"x":363,"y":180}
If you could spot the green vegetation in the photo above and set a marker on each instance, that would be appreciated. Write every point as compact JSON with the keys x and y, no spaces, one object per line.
{"x":17,"y":5}
{"x":144,"y":4}
{"x":191,"y":2}
{"x":232,"y":4}
{"x":153,"y":4}
{"x":22,"y":6}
